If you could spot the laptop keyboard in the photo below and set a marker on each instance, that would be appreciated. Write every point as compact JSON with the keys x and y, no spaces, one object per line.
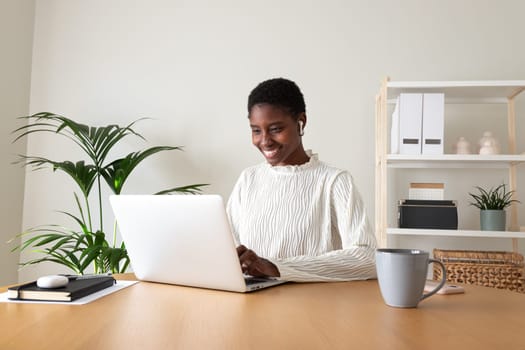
{"x":254,"y":280}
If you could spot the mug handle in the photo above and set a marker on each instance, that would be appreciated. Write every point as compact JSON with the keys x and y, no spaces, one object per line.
{"x":441,"y":283}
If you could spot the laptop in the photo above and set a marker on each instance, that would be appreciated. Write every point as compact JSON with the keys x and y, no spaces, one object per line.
{"x":184,"y":240}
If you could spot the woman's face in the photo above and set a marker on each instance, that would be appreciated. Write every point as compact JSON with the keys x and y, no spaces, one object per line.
{"x":276,"y":134}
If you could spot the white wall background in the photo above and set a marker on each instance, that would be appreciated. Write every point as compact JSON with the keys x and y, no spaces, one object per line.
{"x":191,"y":64}
{"x":16,"y":34}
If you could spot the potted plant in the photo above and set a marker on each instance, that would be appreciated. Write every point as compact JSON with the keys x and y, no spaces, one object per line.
{"x":87,"y":245}
{"x":492,"y":204}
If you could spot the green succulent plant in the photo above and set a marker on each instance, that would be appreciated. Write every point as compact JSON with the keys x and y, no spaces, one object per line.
{"x":79,"y":248}
{"x":497,"y":198}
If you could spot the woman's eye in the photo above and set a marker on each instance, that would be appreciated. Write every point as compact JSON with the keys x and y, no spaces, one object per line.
{"x":275,"y":130}
{"x":256,"y":131}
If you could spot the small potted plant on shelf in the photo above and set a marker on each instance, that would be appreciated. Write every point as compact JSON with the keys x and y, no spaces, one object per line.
{"x":88,"y":244}
{"x":492,"y":204}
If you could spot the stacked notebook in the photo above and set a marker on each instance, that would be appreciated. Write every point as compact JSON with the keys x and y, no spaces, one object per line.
{"x":75,"y":289}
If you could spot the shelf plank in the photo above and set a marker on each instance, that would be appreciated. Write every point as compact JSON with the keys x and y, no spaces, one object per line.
{"x":454,"y":160}
{"x":463,"y":100}
{"x":497,"y":91}
{"x":454,"y":233}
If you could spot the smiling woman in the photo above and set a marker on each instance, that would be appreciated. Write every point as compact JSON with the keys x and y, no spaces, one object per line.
{"x":295,"y":217}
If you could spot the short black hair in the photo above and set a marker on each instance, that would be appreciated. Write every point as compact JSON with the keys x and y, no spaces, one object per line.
{"x":278,"y":92}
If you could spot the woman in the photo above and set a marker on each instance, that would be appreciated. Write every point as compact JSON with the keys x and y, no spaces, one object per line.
{"x":294,"y":216}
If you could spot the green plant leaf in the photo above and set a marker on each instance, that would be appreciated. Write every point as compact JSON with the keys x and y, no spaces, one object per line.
{"x":39,"y":234}
{"x":96,"y":142}
{"x":79,"y":221}
{"x":83,"y":174}
{"x":119,"y":170}
{"x":89,"y":255}
{"x":190,"y":189}
{"x":58,"y":260}
{"x":112,"y":258}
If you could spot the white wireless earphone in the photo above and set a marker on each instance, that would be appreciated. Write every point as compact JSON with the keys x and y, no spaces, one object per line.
{"x":301,"y":132}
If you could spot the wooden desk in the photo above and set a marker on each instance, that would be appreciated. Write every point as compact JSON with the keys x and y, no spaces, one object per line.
{"x":292,"y":316}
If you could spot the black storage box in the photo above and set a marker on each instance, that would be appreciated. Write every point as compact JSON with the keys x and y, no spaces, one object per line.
{"x":428,"y":214}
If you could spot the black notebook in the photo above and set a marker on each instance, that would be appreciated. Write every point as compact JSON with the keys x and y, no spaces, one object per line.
{"x":75,"y":289}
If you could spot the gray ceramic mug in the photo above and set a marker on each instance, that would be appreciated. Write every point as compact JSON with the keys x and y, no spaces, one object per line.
{"x":402,"y":274}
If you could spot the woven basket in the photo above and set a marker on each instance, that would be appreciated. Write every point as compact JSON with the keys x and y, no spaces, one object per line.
{"x":503,"y":270}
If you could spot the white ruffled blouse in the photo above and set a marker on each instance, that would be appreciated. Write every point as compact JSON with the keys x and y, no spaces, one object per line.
{"x":307,"y":219}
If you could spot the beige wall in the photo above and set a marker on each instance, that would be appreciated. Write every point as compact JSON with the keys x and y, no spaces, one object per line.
{"x":16,"y":36}
{"x":191,"y":64}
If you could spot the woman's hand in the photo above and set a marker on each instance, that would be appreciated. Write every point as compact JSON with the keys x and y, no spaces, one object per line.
{"x":254,"y":265}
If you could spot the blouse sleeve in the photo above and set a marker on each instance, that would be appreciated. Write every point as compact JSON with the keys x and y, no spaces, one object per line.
{"x":356,"y":259}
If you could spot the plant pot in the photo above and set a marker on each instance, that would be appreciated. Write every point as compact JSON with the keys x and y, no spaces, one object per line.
{"x":492,"y":220}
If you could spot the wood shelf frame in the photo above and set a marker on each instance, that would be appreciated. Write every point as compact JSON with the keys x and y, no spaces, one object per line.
{"x":465,"y":92}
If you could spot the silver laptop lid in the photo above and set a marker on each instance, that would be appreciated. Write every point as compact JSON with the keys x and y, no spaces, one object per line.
{"x":179,"y":239}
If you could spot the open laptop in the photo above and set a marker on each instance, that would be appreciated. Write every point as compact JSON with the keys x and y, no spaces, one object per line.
{"x":184,"y":240}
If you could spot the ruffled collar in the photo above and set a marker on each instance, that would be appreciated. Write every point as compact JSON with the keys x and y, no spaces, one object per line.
{"x":314,"y":160}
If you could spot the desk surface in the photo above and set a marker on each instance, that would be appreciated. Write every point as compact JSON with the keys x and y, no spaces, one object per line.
{"x":291,"y":316}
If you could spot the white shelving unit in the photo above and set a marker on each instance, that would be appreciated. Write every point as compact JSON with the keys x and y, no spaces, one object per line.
{"x":456,"y":92}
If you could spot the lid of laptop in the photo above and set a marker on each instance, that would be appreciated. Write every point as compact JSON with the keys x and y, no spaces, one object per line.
{"x":179,"y":239}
